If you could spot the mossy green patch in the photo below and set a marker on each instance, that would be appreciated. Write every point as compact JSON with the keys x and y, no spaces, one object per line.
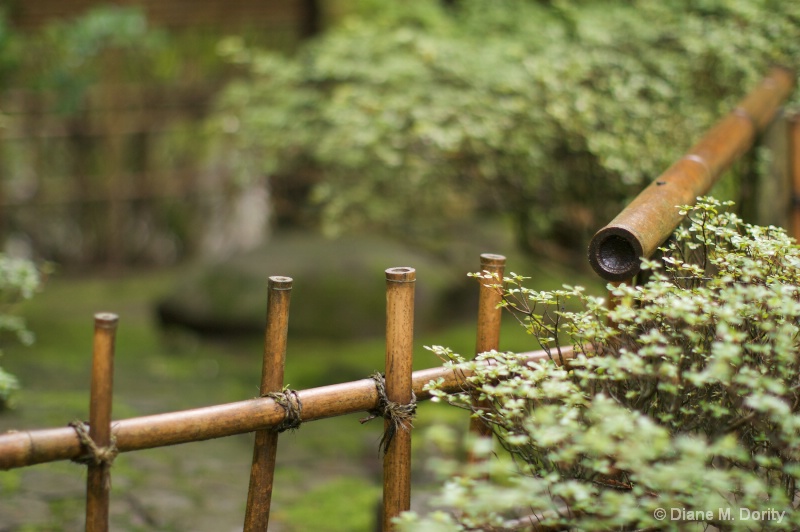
{"x":339,"y":505}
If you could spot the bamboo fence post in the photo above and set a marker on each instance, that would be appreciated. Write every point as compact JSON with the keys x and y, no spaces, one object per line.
{"x":265,"y":449}
{"x":400,"y":284}
{"x":98,"y":482}
{"x":488,"y":330}
{"x":794,"y":169}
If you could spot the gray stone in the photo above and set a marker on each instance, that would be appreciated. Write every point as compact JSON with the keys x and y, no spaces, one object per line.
{"x":338,"y":289}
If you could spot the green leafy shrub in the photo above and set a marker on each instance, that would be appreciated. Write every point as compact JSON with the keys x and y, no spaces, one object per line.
{"x":19,"y":280}
{"x":682,"y":399}
{"x":69,"y":57}
{"x":553,"y":112}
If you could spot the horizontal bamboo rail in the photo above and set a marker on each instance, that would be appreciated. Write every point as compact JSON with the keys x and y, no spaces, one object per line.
{"x":615,"y":251}
{"x":24,"y":448}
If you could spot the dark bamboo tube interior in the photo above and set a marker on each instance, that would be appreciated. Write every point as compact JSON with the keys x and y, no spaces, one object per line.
{"x":98,"y":480}
{"x":400,"y":284}
{"x":615,"y":251}
{"x":265,"y":448}
{"x":488,"y":328}
{"x":24,"y":448}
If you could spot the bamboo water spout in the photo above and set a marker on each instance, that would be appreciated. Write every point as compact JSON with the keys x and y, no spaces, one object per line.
{"x":615,"y":251}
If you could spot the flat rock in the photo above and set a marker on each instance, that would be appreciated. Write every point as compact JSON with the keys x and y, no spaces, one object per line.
{"x":338,"y":289}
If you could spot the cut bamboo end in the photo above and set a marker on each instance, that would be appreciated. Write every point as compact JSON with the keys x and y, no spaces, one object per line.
{"x":401,"y":274}
{"x":279,"y":282}
{"x":489,"y":260}
{"x":106,"y":320}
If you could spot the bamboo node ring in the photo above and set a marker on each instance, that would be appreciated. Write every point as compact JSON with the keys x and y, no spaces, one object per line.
{"x":399,"y":415}
{"x":289,"y":400}
{"x":95,"y":454}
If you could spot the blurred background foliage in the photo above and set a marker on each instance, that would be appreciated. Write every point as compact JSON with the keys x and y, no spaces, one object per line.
{"x":410,"y":119}
{"x":416,"y":115}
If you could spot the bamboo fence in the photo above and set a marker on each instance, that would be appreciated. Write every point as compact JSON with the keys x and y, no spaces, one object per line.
{"x":266,"y":415}
{"x":394,"y":395}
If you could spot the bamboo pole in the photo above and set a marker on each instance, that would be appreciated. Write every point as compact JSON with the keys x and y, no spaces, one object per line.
{"x":794,"y":169}
{"x":265,"y":448}
{"x":98,"y":482}
{"x":488,"y":335}
{"x":615,"y":251}
{"x":400,"y":283}
{"x":25,"y":448}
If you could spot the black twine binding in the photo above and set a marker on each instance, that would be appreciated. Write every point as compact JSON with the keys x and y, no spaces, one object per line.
{"x":289,"y":400}
{"x":94,"y":454}
{"x":399,"y":415}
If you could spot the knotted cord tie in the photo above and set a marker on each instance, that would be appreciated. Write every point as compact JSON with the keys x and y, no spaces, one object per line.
{"x":289,"y":400}
{"x":94,"y":455}
{"x":399,"y":415}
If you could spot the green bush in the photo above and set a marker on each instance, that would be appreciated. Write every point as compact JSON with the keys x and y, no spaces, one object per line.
{"x":554,"y":112}
{"x":684,"y":397}
{"x":19,"y":280}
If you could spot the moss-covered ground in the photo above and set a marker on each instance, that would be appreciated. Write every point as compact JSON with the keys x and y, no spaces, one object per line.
{"x":328,"y":475}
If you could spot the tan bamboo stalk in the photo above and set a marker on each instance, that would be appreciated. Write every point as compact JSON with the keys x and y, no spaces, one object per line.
{"x":488,"y":335}
{"x":637,"y":231}
{"x":400,"y":283}
{"x":98,"y":482}
{"x":24,"y":448}
{"x":794,"y":169}
{"x":265,"y":449}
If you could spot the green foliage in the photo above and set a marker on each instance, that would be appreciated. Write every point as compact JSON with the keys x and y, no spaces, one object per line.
{"x":552,"y":111}
{"x":683,"y":396}
{"x":19,"y":280}
{"x":69,"y":56}
{"x":108,"y":44}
